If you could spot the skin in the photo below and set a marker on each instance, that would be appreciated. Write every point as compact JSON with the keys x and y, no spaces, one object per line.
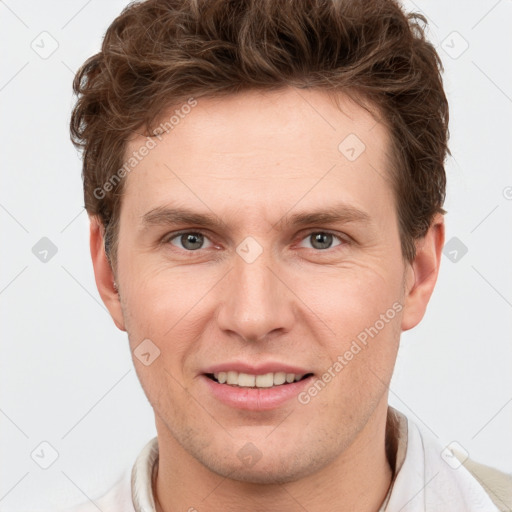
{"x":254,"y":159}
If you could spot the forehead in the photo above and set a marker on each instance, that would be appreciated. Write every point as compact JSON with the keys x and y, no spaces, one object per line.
{"x":261,"y":148}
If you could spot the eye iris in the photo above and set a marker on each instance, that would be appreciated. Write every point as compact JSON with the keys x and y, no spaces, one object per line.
{"x":194,"y":239}
{"x":323,"y":239}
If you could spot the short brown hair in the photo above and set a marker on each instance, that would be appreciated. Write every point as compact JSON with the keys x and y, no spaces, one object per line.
{"x":158,"y":53}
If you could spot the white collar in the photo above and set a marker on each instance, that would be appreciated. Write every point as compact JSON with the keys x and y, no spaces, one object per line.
{"x":423,"y":480}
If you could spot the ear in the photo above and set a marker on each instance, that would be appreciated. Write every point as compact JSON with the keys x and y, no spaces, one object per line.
{"x":103,"y":273}
{"x":421,"y":274}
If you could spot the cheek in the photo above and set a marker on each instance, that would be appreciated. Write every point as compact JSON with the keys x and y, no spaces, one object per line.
{"x":166,"y":306}
{"x":164,"y":302}
{"x":158,"y":319}
{"x":158,"y":296}
{"x":353,"y":297}
{"x":363,"y":310}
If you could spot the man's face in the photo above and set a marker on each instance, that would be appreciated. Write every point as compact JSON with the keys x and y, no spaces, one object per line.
{"x":258,"y":292}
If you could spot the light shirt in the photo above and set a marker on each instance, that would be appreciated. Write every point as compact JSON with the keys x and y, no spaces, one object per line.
{"x":426,"y":477}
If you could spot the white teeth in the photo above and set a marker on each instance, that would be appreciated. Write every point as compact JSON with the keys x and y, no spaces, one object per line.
{"x":247,"y":380}
{"x":264,"y":381}
{"x":279,"y":378}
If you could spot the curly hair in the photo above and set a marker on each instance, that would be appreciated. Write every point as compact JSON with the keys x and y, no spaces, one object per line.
{"x":160,"y":53}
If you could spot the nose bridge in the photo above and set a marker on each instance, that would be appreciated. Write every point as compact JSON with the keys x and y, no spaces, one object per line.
{"x":256,"y":302}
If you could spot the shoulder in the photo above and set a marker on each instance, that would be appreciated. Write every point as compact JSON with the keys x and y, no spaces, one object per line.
{"x":117,"y":499}
{"x":497,"y":484}
{"x":449,"y":480}
{"x":134,"y":485}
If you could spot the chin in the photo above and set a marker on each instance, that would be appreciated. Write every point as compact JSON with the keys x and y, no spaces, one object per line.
{"x":262,"y":476}
{"x":282,"y":469}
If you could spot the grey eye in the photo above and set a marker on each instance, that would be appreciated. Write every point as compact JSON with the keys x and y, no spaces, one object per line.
{"x":189,"y":241}
{"x":322,"y":240}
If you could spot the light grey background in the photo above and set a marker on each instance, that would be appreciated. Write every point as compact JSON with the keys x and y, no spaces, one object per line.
{"x":66,"y":373}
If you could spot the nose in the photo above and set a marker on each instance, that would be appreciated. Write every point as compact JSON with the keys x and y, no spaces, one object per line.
{"x":257,"y":303}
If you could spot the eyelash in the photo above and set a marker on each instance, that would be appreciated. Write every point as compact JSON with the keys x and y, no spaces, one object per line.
{"x":343,"y":240}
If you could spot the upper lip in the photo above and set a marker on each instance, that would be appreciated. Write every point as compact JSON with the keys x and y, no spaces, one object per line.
{"x":256,"y":369}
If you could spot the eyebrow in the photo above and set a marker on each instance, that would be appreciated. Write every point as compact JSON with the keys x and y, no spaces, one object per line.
{"x":328,"y":215}
{"x":343,"y":213}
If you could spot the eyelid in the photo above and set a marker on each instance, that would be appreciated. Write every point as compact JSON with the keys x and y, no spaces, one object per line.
{"x":175,"y":234}
{"x":343,"y":238}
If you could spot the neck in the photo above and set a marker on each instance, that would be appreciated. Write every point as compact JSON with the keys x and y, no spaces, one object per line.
{"x":358,"y":479}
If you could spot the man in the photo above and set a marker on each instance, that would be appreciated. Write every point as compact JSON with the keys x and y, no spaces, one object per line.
{"x":265,"y":183}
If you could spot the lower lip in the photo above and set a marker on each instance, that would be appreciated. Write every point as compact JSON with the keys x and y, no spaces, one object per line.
{"x":255,"y":399}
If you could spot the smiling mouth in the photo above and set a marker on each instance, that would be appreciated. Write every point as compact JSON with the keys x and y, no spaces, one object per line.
{"x":247,"y":380}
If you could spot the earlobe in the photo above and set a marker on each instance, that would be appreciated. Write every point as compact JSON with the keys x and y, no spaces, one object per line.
{"x":422,"y":273}
{"x":103,"y":273}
